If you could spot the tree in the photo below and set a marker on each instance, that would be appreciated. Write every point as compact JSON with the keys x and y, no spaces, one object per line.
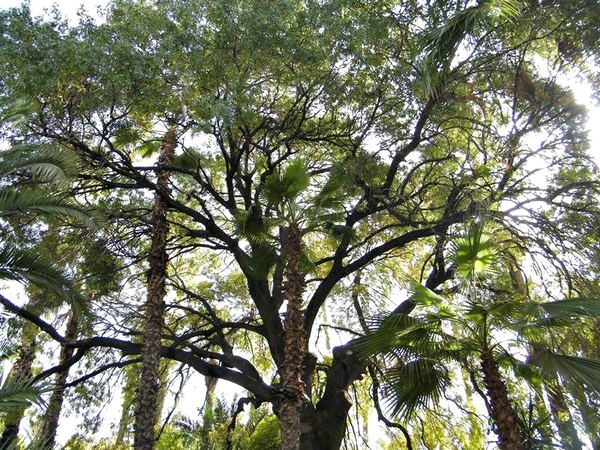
{"x":147,"y":396}
{"x":419,"y":344}
{"x":408,"y":118}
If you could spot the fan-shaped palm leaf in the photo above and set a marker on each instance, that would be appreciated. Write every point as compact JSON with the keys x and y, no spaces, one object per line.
{"x":572,"y":368}
{"x":415,"y":385}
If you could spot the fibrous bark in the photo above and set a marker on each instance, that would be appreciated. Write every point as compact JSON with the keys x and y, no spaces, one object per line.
{"x":52,"y":414}
{"x":293,"y":394}
{"x":503,"y":414}
{"x":147,"y":397}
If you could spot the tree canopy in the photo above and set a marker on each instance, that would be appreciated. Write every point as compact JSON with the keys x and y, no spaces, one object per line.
{"x":266,"y":172}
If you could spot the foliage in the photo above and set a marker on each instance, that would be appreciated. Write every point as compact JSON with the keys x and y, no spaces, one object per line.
{"x":381,"y":129}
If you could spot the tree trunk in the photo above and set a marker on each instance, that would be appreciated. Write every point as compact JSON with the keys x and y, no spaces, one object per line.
{"x":209,"y":402}
{"x":21,"y":370}
{"x":503,"y":414}
{"x":562,"y":417}
{"x":324,"y":425}
{"x":50,"y":420}
{"x":147,"y":395}
{"x":294,"y":398}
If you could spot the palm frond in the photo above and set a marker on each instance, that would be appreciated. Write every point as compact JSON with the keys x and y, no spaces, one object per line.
{"x":43,"y":163}
{"x":568,"y":308}
{"x":474,"y":254}
{"x":571,"y":368}
{"x":14,"y":202}
{"x":288,"y":185}
{"x":442,"y":43}
{"x":18,"y":394}
{"x":27,"y":266}
{"x":16,"y":111}
{"x":415,"y":385}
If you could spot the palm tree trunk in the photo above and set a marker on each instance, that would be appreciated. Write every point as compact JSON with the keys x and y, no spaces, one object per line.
{"x":562,"y":417}
{"x":295,"y":348}
{"x":503,"y":414}
{"x":147,"y":396}
{"x":21,"y":370}
{"x":50,"y":420}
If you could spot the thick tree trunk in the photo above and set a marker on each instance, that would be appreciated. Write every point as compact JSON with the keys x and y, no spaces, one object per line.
{"x":562,"y":417}
{"x":147,"y":396}
{"x":324,"y":426}
{"x":50,"y":421}
{"x":21,"y":370}
{"x":294,"y":398}
{"x":503,"y":414}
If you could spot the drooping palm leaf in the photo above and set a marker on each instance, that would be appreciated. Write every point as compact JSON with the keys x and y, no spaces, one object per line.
{"x":443,"y":42}
{"x":27,"y":266}
{"x":17,"y":394}
{"x":570,"y":307}
{"x":572,"y":368}
{"x":45,"y":164}
{"x":14,"y":202}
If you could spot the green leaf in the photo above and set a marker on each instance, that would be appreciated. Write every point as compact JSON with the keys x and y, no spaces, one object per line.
{"x":294,"y":180}
{"x":262,"y":258}
{"x":23,"y":202}
{"x":415,"y":385}
{"x":424,"y":296}
{"x":16,"y":394}
{"x":572,"y":368}
{"x":474,"y":254}
{"x":147,"y":149}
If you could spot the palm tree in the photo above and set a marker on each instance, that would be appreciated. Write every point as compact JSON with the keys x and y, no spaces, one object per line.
{"x":147,"y":396}
{"x":49,"y":427}
{"x":33,"y":181}
{"x":483,"y":323}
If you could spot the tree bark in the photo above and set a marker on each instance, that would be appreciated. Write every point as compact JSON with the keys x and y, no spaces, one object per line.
{"x":562,"y":417}
{"x":52,"y":414}
{"x":503,"y":414}
{"x":147,"y":395}
{"x":21,"y":370}
{"x":324,"y":425}
{"x":293,"y":394}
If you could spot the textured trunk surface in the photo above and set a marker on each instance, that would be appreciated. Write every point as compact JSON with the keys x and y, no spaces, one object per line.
{"x":21,"y":370}
{"x":324,"y":426}
{"x":502,"y":413}
{"x":209,"y":402}
{"x":562,"y":418}
{"x":147,"y":395}
{"x":294,"y":398}
{"x":50,"y":420}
